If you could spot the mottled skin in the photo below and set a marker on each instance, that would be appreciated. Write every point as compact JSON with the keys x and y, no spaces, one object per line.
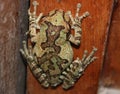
{"x":51,"y":57}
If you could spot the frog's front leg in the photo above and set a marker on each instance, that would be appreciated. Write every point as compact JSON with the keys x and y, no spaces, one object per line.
{"x":76,"y":69}
{"x":33,"y":64}
{"x":33,"y":18}
{"x":76,"y":25}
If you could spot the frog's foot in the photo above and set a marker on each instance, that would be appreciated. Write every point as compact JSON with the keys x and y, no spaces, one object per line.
{"x":33,"y":64}
{"x":76,"y":25}
{"x":27,"y":53}
{"x":86,"y":60}
{"x":76,"y":69}
{"x":77,"y":20}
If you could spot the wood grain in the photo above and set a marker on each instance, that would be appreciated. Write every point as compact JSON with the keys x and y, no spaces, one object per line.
{"x":12,"y":69}
{"x":95,"y":31}
{"x":111,"y":69}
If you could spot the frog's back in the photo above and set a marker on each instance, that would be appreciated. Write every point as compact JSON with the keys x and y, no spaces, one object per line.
{"x":54,"y":35}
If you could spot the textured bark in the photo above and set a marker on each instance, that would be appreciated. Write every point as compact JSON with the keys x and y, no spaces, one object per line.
{"x":110,"y":77}
{"x":12,"y":26}
{"x":95,"y":31}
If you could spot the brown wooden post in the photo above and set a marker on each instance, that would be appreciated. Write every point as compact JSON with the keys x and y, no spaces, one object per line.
{"x":95,"y":31}
{"x":13,"y":22}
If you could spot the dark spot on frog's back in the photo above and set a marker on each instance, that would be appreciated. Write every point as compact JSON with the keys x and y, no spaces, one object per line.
{"x":51,"y":38}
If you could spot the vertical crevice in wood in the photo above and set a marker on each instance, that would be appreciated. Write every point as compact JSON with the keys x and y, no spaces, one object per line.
{"x":109,"y":78}
{"x":23,"y":27}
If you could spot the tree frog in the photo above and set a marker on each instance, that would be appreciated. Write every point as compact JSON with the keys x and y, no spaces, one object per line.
{"x":50,"y":54}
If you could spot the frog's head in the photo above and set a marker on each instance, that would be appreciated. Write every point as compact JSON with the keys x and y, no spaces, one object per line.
{"x":58,"y":18}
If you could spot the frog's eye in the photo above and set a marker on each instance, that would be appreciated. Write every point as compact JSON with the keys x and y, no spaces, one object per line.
{"x":37,"y":31}
{"x":55,"y":20}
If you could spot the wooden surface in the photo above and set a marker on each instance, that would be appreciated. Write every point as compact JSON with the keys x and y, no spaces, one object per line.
{"x":12,"y":69}
{"x":111,"y":70}
{"x":95,"y":29}
{"x":13,"y":25}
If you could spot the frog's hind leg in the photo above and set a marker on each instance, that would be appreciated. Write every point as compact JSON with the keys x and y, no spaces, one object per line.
{"x":33,"y":64}
{"x":76,"y":69}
